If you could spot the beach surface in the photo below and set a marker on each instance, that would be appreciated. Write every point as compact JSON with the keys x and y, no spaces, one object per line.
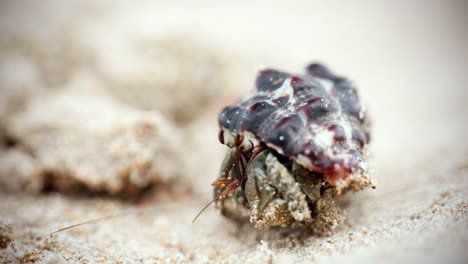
{"x":101,"y":102}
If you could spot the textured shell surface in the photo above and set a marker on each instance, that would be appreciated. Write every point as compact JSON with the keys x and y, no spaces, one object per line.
{"x":315,"y":119}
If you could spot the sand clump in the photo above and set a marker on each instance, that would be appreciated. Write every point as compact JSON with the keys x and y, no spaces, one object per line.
{"x":93,"y":141}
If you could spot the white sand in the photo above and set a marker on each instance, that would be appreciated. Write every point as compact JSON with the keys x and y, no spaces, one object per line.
{"x":409,"y":61}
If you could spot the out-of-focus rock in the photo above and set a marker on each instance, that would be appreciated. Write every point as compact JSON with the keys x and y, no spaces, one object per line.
{"x":74,"y":138}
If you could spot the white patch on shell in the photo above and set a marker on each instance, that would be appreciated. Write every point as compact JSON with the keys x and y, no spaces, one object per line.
{"x":285,"y":89}
{"x":303,"y":117}
{"x":326,"y":84}
{"x":363,"y":165}
{"x":324,"y":138}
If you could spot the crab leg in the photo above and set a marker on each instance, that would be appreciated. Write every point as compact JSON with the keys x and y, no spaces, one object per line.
{"x":257,"y":150}
{"x":223,"y":182}
{"x":258,"y":194}
{"x":242,"y":163}
{"x":227,"y":164}
{"x":235,"y":162}
{"x":231,"y":187}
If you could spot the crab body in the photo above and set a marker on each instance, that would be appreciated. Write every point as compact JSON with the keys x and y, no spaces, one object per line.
{"x":295,"y":143}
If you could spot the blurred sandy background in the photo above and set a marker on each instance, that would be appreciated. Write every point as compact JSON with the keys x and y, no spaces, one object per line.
{"x":102,"y":101}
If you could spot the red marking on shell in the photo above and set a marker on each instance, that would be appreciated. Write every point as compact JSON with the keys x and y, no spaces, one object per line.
{"x":256,"y":106}
{"x":294,"y":81}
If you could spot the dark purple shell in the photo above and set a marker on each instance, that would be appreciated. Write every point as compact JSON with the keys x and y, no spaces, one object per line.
{"x":315,"y":119}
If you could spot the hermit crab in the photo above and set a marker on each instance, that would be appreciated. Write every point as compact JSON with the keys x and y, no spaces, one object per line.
{"x":295,"y":143}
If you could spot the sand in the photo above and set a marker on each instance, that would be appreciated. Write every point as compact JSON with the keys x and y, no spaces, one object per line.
{"x":409,"y":61}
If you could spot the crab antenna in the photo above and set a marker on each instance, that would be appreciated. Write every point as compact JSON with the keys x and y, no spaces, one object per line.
{"x":133,"y":212}
{"x":86,"y":222}
{"x":204,"y":208}
{"x":232,"y":186}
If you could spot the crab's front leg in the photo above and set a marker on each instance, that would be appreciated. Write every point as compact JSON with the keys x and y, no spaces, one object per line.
{"x":257,"y":192}
{"x":228,"y":183}
{"x":260,"y":195}
{"x":226,"y":167}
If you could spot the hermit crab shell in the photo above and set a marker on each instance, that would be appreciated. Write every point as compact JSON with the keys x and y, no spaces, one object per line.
{"x":315,"y":119}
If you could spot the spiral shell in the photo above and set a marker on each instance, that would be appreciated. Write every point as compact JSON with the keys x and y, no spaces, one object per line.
{"x":315,"y":119}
